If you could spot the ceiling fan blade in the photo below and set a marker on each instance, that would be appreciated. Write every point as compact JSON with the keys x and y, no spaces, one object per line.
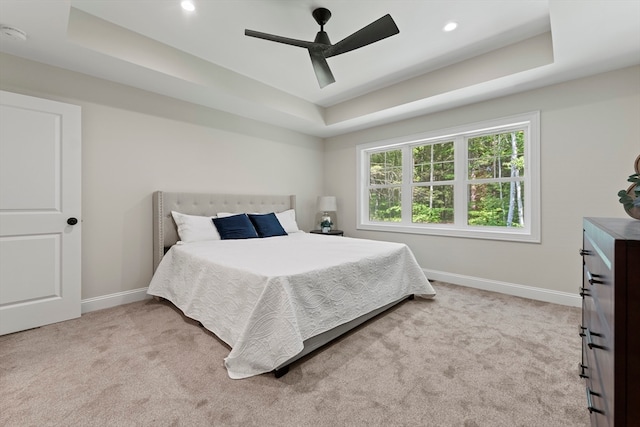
{"x":320,"y":66}
{"x":377,"y":30}
{"x":280,"y":39}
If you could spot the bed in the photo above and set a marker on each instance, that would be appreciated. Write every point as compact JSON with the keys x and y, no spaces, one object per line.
{"x":274,"y":300}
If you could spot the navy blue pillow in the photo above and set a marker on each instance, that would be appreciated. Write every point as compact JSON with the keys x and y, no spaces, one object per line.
{"x":235,"y":227}
{"x":267,"y":225}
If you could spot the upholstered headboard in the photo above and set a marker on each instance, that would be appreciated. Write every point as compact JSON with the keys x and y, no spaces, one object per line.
{"x":165,"y":233}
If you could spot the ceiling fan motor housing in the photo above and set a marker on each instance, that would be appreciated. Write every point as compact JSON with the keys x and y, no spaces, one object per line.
{"x":322,"y":37}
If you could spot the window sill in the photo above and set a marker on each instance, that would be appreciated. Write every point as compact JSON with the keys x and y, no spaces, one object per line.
{"x":487,"y":233}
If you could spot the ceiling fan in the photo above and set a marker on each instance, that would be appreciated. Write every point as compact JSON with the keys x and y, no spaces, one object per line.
{"x":321,"y":48}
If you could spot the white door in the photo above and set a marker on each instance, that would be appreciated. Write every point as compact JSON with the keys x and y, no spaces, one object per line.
{"x":40,"y":166}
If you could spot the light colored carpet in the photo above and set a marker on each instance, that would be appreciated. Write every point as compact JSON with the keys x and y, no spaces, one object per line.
{"x":467,"y":358}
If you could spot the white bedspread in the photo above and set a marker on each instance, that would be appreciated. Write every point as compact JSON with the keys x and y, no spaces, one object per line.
{"x":264,"y":297}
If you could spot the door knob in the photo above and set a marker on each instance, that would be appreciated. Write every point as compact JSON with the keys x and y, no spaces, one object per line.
{"x":72,"y":221}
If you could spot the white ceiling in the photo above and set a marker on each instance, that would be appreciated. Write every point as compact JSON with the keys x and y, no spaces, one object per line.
{"x":500,"y":47}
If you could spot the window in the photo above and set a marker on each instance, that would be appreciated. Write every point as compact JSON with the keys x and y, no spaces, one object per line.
{"x":479,"y":181}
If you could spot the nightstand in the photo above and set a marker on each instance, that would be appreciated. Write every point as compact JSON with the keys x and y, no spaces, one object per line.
{"x":330,"y":233}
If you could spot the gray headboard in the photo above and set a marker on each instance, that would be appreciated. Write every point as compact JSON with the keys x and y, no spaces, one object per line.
{"x":164,"y":229}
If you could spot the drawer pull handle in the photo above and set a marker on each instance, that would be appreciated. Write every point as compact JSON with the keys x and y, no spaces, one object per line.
{"x":590,"y":406}
{"x":584,"y":252}
{"x":586,"y":332}
{"x":584,"y":292}
{"x":581,"y":369}
{"x":591,"y":280}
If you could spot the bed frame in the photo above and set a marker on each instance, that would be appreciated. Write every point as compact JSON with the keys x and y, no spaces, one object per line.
{"x":165,"y":235}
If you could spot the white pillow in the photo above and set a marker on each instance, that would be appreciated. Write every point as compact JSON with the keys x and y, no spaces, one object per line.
{"x":288,"y":220}
{"x":226,"y":214}
{"x":194,"y":228}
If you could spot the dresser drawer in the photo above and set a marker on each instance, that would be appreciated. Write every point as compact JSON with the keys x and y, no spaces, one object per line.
{"x":595,"y":334}
{"x":595,"y":391}
{"x":598,"y":282}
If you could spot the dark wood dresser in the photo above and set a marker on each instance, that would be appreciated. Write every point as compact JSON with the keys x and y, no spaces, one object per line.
{"x":610,"y":327}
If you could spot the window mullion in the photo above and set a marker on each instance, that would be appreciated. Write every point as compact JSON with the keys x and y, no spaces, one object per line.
{"x":460,"y":186}
{"x":407,"y":184}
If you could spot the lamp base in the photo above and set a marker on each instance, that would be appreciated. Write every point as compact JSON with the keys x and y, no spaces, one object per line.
{"x":325,"y":223}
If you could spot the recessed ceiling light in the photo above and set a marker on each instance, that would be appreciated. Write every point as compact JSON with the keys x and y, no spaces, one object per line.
{"x":12,"y":33}
{"x":450,"y":26}
{"x":188,"y":5}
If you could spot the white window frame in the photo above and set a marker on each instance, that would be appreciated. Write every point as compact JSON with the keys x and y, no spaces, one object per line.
{"x":529,"y":122}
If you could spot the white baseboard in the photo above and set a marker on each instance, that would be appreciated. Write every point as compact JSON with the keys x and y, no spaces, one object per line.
{"x":113,"y":300}
{"x":540,"y":294}
{"x":546,"y":295}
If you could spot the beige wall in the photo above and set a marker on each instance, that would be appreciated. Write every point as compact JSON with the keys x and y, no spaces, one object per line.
{"x":590,"y":135}
{"x":135,"y":142}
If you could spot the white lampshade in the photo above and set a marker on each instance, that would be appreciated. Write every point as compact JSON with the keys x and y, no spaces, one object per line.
{"x":327,"y":204}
